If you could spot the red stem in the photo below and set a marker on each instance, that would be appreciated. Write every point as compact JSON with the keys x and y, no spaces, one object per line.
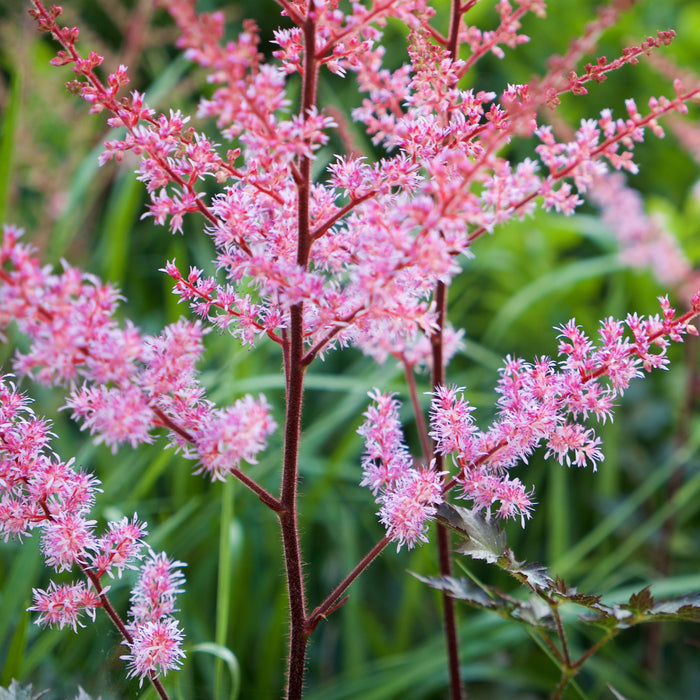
{"x":443,"y":534}
{"x":294,"y":395}
{"x":331,"y":602}
{"x":438,"y":378}
{"x":423,"y":437}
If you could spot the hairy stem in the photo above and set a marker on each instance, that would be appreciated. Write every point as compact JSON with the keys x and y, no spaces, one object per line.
{"x":456,"y":690}
{"x":288,"y":516}
{"x":438,"y":378}
{"x":295,"y":367}
{"x":333,"y":600}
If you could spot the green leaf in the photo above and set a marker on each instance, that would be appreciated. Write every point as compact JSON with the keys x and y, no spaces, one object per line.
{"x":532,"y":611}
{"x":19,"y":692}
{"x":535,"y":575}
{"x":641,"y":602}
{"x":618,"y":695}
{"x":642,"y":608}
{"x":82,"y":695}
{"x":484,"y":540}
{"x":461,"y":589}
{"x":229,"y":658}
{"x":683,"y":608}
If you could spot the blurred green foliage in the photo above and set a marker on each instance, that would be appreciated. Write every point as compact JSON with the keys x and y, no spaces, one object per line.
{"x":605,"y":532}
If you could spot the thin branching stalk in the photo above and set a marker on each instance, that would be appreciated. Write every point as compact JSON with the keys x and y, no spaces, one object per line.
{"x":421,"y":425}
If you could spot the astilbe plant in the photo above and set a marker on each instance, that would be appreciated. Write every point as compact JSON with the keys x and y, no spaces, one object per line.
{"x":361,"y":256}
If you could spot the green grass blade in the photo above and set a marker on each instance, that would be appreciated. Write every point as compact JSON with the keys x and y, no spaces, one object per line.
{"x":7,"y":140}
{"x":226,"y":656}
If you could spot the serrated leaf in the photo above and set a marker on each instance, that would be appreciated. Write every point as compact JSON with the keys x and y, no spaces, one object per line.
{"x":604,"y":618}
{"x":534,"y":611}
{"x":623,"y":616}
{"x":535,"y":575}
{"x":684,"y":608}
{"x":82,"y":695}
{"x":584,"y":600}
{"x":640,"y":602}
{"x":15,"y":691}
{"x":484,"y":540}
{"x":461,"y":589}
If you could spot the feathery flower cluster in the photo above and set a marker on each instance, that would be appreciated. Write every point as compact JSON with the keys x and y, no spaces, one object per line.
{"x":156,"y":638}
{"x":133,"y":383}
{"x":379,"y":236}
{"x":644,"y":240}
{"x":407,"y":494}
{"x":543,"y":402}
{"x":38,"y":490}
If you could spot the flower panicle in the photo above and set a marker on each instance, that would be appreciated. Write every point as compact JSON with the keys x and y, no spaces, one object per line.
{"x":39,"y":491}
{"x":541,"y":403}
{"x":124,"y":384}
{"x":156,"y":645}
{"x":407,"y":494}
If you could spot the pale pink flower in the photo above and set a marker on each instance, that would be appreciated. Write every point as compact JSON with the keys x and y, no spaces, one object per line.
{"x":386,"y":458}
{"x":114,"y":416}
{"x":407,"y":495}
{"x":231,"y":435}
{"x":153,"y":596}
{"x":120,"y":547}
{"x":66,"y":540}
{"x":541,"y":403}
{"x":156,"y":645}
{"x":409,"y":505}
{"x":62,"y":605}
{"x":156,"y":649}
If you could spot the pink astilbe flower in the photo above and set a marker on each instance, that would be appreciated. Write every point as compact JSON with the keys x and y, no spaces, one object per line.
{"x":37,"y":491}
{"x":485,"y":488}
{"x":407,"y":495}
{"x":644,"y":239}
{"x":120,"y":547}
{"x":66,"y":540}
{"x":454,"y":431}
{"x":507,"y":33}
{"x":115,"y":416}
{"x":62,"y":605}
{"x":380,"y":237}
{"x":160,"y":580}
{"x":133,"y":383}
{"x":156,"y":647}
{"x":386,"y":458}
{"x":317,"y":252}
{"x":68,"y":317}
{"x":229,"y":436}
{"x":541,"y":403}
{"x":410,"y":504}
{"x":453,"y":428}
